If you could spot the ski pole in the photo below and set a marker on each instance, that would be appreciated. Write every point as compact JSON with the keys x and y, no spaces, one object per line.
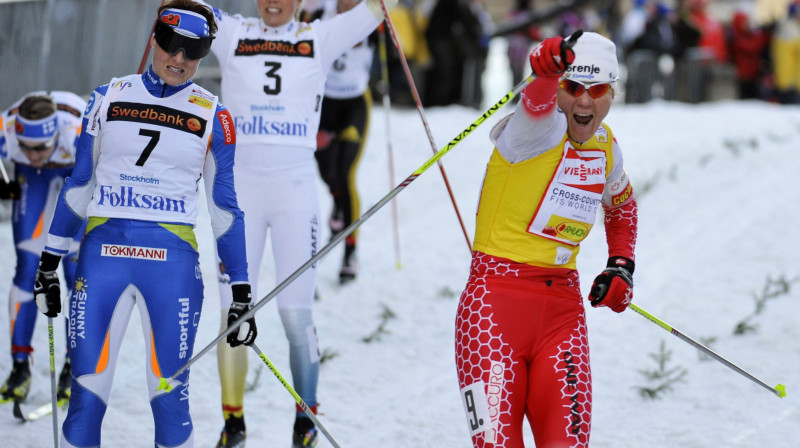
{"x":169,"y":383}
{"x":17,"y":410}
{"x":387,"y":106}
{"x":147,"y":47}
{"x":53,"y":386}
{"x":779,"y":390}
{"x":413,"y":87}
{"x":146,"y":50}
{"x":297,"y":398}
{"x":4,"y":172}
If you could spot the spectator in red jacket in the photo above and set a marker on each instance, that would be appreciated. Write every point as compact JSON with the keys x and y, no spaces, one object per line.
{"x":748,"y":46}
{"x":712,"y":33}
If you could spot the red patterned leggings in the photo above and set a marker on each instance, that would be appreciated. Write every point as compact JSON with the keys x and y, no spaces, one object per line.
{"x":522,"y":350}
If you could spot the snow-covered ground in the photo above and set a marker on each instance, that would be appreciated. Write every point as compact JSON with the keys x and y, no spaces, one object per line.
{"x":717,"y":186}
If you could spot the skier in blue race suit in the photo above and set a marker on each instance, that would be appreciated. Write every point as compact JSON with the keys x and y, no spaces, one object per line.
{"x":147,"y":140}
{"x":37,"y":134}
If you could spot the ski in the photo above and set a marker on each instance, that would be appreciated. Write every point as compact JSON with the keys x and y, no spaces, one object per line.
{"x":42,"y":411}
{"x":46,"y":409}
{"x":39,"y":412}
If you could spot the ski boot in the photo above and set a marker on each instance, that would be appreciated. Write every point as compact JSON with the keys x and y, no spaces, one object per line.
{"x":64,"y":390}
{"x":349,"y":264}
{"x":18,"y":384}
{"x":234,"y":434}
{"x":305,"y":434}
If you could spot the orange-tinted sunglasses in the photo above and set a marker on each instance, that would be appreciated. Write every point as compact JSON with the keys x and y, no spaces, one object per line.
{"x":576,"y":88}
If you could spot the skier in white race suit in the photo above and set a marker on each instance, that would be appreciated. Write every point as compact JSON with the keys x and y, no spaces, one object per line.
{"x":274,"y":70}
{"x":343,"y":130}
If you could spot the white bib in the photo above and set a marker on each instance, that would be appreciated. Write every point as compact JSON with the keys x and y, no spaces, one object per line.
{"x":272,"y":85}
{"x":568,"y":208}
{"x":151,"y":152}
{"x":349,"y":75}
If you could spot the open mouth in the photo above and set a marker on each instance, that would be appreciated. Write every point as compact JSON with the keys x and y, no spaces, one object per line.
{"x":175,"y":70}
{"x":583,"y":119}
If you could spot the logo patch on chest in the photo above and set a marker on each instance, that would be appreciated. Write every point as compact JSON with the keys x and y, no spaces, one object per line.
{"x":157,"y":115}
{"x":255,"y":47}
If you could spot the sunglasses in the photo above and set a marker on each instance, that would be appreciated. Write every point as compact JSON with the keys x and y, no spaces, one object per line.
{"x":576,"y":88}
{"x":172,"y":42}
{"x":38,"y":148}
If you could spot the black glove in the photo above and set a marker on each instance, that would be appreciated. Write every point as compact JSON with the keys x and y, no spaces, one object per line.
{"x":47,"y":288}
{"x":614,"y":286}
{"x":246,"y":334}
{"x":9,"y":190}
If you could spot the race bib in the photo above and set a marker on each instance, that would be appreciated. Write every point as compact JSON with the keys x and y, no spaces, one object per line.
{"x":568,"y":208}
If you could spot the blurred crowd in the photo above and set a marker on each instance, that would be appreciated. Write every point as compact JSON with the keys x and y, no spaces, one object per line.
{"x":677,"y":49}
{"x":679,"y":52}
{"x":445,"y":43}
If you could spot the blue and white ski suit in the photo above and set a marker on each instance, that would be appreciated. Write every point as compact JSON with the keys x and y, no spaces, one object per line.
{"x":33,"y":210}
{"x":145,"y":146}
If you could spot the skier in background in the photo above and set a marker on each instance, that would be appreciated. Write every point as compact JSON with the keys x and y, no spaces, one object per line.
{"x":274,"y":70}
{"x":343,"y":128}
{"x":39,"y":133}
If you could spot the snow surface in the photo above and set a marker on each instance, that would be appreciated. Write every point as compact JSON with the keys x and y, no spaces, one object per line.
{"x":718,"y":201}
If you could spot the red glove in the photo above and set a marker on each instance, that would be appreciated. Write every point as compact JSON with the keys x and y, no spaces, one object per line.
{"x":614,"y":286}
{"x":553,"y":55}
